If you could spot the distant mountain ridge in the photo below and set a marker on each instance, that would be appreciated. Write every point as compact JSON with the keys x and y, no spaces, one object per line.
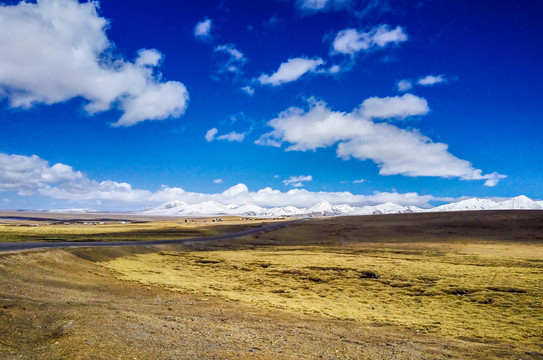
{"x":324,"y":208}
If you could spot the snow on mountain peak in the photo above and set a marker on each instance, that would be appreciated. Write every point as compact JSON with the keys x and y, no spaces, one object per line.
{"x":322,"y":206}
{"x":519,"y":202}
{"x":468,"y":204}
{"x":325,"y":208}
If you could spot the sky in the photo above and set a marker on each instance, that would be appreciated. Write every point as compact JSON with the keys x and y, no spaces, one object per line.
{"x":125,"y":105}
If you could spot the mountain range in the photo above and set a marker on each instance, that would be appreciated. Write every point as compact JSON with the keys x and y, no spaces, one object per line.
{"x":324,"y":208}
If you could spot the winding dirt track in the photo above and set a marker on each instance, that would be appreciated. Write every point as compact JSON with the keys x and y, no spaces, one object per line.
{"x":16,"y":246}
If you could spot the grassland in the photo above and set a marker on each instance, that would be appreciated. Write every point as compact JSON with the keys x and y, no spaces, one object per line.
{"x":433,"y":286}
{"x":485,"y":297}
{"x":97,"y":229}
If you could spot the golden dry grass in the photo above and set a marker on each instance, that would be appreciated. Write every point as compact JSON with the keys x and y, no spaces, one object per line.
{"x":114,"y":230}
{"x":495,"y":296}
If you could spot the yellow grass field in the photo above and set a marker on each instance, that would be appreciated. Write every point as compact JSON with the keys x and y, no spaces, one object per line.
{"x":464,"y":285}
{"x":486,"y":297}
{"x":117,"y":231}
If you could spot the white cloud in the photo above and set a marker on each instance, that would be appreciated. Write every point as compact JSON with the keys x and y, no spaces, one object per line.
{"x":396,"y":151}
{"x":248,"y":90}
{"x":26,"y":174}
{"x":33,"y":176}
{"x":236,"y":190}
{"x":218,"y":181}
{"x":431,"y":80}
{"x":493,"y":179}
{"x":235,"y":58}
{"x":312,"y":4}
{"x":334,"y":69}
{"x":56,"y":50}
{"x":398,"y":107}
{"x":210,"y":134}
{"x":322,"y":5}
{"x":232,"y":136}
{"x":291,"y":70}
{"x":404,"y":85}
{"x":352,"y":41}
{"x":359,"y":181}
{"x":203,"y":29}
{"x":156,"y":102}
{"x":297,"y":181}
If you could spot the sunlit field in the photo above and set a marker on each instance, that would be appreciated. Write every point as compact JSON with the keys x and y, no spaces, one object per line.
{"x":433,"y":286}
{"x":117,"y":230}
{"x":487,"y":297}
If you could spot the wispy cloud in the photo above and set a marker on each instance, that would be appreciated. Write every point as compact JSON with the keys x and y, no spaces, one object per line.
{"x":218,"y":181}
{"x":297,"y":181}
{"x":311,"y":6}
{"x":404,"y":85}
{"x":232,"y":136}
{"x":248,"y":90}
{"x":359,"y":181}
{"x":291,"y":70}
{"x":432,"y":80}
{"x":211,"y":135}
{"x":235,"y":59}
{"x":429,"y":80}
{"x":351,"y":41}
{"x":202,"y":30}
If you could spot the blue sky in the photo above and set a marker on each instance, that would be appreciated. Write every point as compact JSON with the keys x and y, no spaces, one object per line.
{"x":127,"y":104}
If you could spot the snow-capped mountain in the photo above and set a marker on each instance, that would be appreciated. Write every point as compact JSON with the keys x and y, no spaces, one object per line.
{"x":324,"y":208}
{"x":181,"y":208}
{"x":516,"y":203}
{"x":519,"y":202}
{"x":73,"y":211}
{"x":469,"y":204}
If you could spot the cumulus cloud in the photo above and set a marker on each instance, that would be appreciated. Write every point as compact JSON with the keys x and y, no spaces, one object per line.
{"x":352,"y":41}
{"x":291,"y":70}
{"x":32,"y":175}
{"x":297,"y":181}
{"x":203,"y":29}
{"x":404,"y":85}
{"x":26,"y":174}
{"x":394,"y":107}
{"x":431,"y":80}
{"x":235,"y":60}
{"x":396,"y":151}
{"x":56,"y":50}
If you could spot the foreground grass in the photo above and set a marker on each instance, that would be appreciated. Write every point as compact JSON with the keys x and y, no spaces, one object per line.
{"x":116,"y":231}
{"x":489,"y":297}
